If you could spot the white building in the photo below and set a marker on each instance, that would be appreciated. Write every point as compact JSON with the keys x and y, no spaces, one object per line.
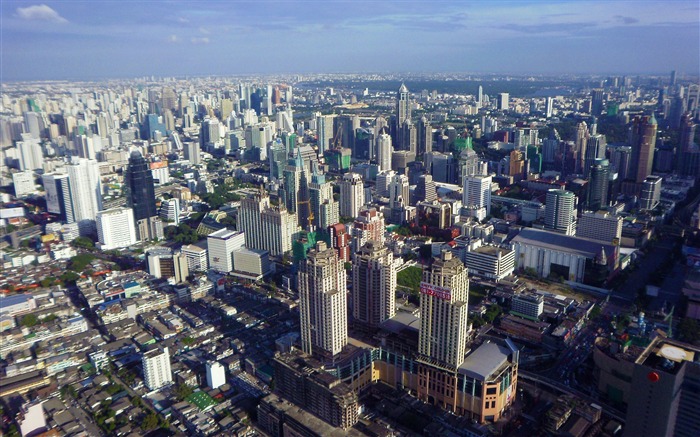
{"x":23,"y":182}
{"x":197,"y":260}
{"x":384,"y":151}
{"x":86,"y":191}
{"x":601,"y":226}
{"x":399,"y":191}
{"x":560,"y":211}
{"x":477,"y":194}
{"x":251,"y":263}
{"x":489,"y":261}
{"x":115,"y":228}
{"x":528,"y":305}
{"x":220,"y":246}
{"x":352,"y":195}
{"x":170,"y":210}
{"x":216,"y":374}
{"x":322,"y":284}
{"x":156,"y":368}
{"x":266,"y":227}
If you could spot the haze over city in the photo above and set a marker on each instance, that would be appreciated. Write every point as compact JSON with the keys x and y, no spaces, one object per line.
{"x":91,"y":40}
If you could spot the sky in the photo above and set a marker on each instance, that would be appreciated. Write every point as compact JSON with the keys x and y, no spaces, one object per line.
{"x":92,"y":39}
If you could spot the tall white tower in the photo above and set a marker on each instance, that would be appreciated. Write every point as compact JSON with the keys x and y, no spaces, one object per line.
{"x":156,"y":368}
{"x":352,"y":195}
{"x":384,"y":151}
{"x":86,"y":191}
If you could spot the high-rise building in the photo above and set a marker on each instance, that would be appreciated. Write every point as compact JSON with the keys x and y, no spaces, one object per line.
{"x":598,"y":185}
{"x":426,"y":190}
{"x":369,"y":225}
{"x":549,"y":107}
{"x":477,"y":193}
{"x":650,"y":192}
{"x":23,"y":183}
{"x":266,"y":227}
{"x":140,"y":195}
{"x":373,"y":285}
{"x":688,"y":159}
{"x":325,"y":211}
{"x":643,"y":142}
{"x":597,"y":100}
{"x":384,"y":151}
{"x":503,"y":101}
{"x":191,"y":152}
{"x":424,"y":136}
{"x":164,"y":263}
{"x":220,"y":247}
{"x":560,"y":211}
{"x":352,"y":195}
{"x":216,"y":374}
{"x":86,"y":192}
{"x":324,"y":130}
{"x":399,"y":191}
{"x":197,"y":259}
{"x":401,"y":117}
{"x":601,"y":226}
{"x":517,"y":164}
{"x":58,"y":196}
{"x":156,"y":368}
{"x":581,"y":144}
{"x":595,"y":149}
{"x":170,"y":210}
{"x":116,"y":228}
{"x":322,"y":285}
{"x":480,"y":97}
{"x":444,"y":296}
{"x":296,"y":189}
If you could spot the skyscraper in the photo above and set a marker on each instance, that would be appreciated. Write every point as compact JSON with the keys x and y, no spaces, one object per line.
{"x":477,"y":193}
{"x":115,"y":228}
{"x":399,"y":194}
{"x":140,"y":190}
{"x":369,"y":225}
{"x":443,"y":304}
{"x":643,"y":141}
{"x":503,"y":101}
{"x":560,"y":211}
{"x":598,"y":185}
{"x":403,"y":115}
{"x":352,"y":195}
{"x":688,"y":159}
{"x":191,"y":152}
{"x":220,"y":247}
{"x":86,"y":191}
{"x":266,"y":227}
{"x":549,"y":107}
{"x":373,"y":285}
{"x":322,"y":284}
{"x":296,"y":188}
{"x":384,"y":151}
{"x":597,"y":100}
{"x":324,"y":130}
{"x":595,"y":149}
{"x":59,"y":199}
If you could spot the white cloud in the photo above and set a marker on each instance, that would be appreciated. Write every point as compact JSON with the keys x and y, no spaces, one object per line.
{"x":40,"y":13}
{"x":173,"y":39}
{"x":204,"y":30}
{"x":182,"y":20}
{"x":204,"y":40}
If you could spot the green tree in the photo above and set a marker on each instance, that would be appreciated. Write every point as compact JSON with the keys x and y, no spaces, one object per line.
{"x":136,"y":402}
{"x":29,"y":320}
{"x":69,"y":277}
{"x":78,"y":263}
{"x":83,"y":243}
{"x":149,"y":422}
{"x":182,"y":391}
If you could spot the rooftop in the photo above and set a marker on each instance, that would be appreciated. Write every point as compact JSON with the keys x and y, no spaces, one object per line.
{"x":485,"y":361}
{"x":563,"y":243}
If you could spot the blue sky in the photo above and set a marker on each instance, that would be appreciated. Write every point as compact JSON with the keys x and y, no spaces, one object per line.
{"x":102,"y":38}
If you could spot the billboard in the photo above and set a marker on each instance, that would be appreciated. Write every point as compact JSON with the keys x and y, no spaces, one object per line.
{"x":435,"y":290}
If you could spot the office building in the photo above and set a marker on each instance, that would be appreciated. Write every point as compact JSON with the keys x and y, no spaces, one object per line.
{"x":549,"y":107}
{"x":23,"y":183}
{"x":444,"y":296}
{"x":650,"y":193}
{"x":170,"y":211}
{"x":399,"y":191}
{"x":384,"y":151}
{"x":86,"y":192}
{"x":296,"y":189}
{"x":156,"y":368}
{"x":220,"y":247}
{"x":164,"y":263}
{"x":527,"y":305}
{"x":216,"y":374}
{"x":643,"y":142}
{"x":324,"y":131}
{"x":476,"y":193}
{"x":116,"y":228}
{"x":373,"y":285}
{"x":688,"y":158}
{"x":252,"y":264}
{"x":191,"y":152}
{"x":140,"y":191}
{"x":352,"y":195}
{"x":503,"y":101}
{"x":322,"y":288}
{"x":489,"y":261}
{"x":325,"y":211}
{"x":197,"y":258}
{"x":597,"y":100}
{"x":595,"y":149}
{"x":368,"y":225}
{"x":560,"y":211}
{"x":425,"y":191}
{"x":598,"y":185}
{"x":266,"y":227}
{"x":601,"y":226}
{"x":59,"y":199}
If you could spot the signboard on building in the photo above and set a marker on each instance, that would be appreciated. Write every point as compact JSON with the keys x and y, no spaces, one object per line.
{"x":435,"y":290}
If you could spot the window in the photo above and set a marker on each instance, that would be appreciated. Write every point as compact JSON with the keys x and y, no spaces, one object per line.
{"x":491,"y":391}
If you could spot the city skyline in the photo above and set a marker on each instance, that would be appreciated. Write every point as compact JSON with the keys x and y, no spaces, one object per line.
{"x":78,"y":40}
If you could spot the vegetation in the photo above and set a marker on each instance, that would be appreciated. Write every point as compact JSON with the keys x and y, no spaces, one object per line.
{"x":183,"y":391}
{"x":188,"y":341}
{"x":182,"y":233}
{"x":69,"y":277}
{"x":29,"y":320}
{"x":222,"y":194}
{"x":68,"y":390}
{"x":78,"y":263}
{"x":410,"y":278}
{"x":83,"y":243}
{"x":477,"y":293}
{"x":149,"y":422}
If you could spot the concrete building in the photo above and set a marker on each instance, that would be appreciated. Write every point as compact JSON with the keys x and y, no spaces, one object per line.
{"x":251,"y":263}
{"x":650,"y":193}
{"x":477,"y":193}
{"x":59,"y":199}
{"x":443,"y":303}
{"x":373,"y":285}
{"x":220,"y":247}
{"x":163,"y":263}
{"x":156,"y":368}
{"x":197,"y":258}
{"x":352,"y":195}
{"x":489,"y":261}
{"x":23,"y":182}
{"x":560,"y":211}
{"x":528,"y":305}
{"x":369,"y":225}
{"x":566,"y":256}
{"x":216,"y":374}
{"x":86,"y":192}
{"x":322,"y":288}
{"x":266,"y":227}
{"x":600,"y":226}
{"x":115,"y":228}
{"x":384,"y":151}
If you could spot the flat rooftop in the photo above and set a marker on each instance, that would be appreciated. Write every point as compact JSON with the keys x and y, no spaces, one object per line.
{"x":485,"y":361}
{"x":562,"y":243}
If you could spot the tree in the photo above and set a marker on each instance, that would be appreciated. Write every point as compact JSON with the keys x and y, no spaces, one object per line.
{"x":149,"y":422}
{"x":78,"y":263}
{"x":183,"y":391}
{"x":29,"y":320}
{"x":83,"y":243}
{"x":136,"y":402}
{"x":69,"y":276}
